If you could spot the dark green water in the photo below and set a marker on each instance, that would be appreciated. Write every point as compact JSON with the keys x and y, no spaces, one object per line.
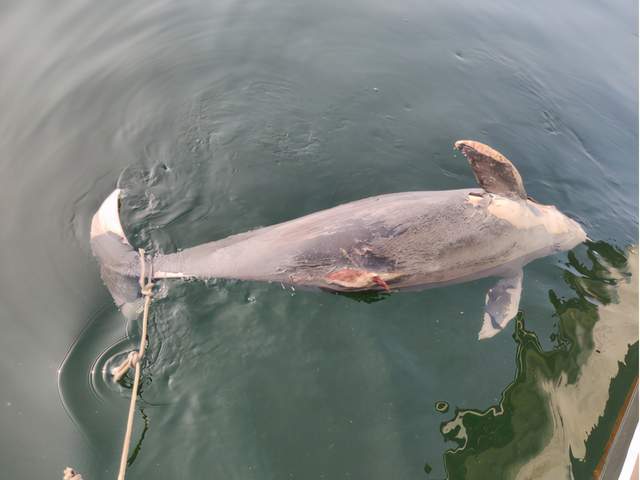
{"x":232,"y":115}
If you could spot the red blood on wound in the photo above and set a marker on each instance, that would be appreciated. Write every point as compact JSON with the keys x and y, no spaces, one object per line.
{"x":381,"y":282}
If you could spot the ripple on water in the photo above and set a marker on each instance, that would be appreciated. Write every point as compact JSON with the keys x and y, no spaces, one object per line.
{"x":92,"y":400}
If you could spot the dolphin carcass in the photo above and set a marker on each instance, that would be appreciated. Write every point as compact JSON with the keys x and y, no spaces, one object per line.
{"x":386,"y":243}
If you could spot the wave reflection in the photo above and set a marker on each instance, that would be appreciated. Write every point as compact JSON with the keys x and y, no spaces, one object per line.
{"x":550,"y":421}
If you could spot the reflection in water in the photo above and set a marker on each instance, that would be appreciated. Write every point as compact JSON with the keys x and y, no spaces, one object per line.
{"x":554,"y":419}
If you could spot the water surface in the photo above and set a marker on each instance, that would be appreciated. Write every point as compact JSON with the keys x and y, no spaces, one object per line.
{"x":220,"y":117}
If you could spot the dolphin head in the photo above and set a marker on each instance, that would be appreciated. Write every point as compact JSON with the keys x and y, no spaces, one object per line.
{"x":565,"y":232}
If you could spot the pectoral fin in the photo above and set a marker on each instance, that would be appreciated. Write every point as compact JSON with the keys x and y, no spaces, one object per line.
{"x":501,"y":306}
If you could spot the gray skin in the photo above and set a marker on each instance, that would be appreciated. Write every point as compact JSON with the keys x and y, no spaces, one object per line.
{"x":388,"y":242}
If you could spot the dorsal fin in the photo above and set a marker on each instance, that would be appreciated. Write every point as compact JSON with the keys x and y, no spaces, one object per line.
{"x":493,"y":171}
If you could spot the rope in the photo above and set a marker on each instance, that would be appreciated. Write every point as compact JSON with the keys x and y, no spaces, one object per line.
{"x":70,"y":474}
{"x":132,"y":361}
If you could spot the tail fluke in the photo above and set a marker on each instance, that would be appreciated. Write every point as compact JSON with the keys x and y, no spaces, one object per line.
{"x":118,"y":260}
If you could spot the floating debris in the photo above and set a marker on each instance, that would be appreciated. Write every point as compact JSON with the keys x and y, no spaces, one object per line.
{"x":442,"y":406}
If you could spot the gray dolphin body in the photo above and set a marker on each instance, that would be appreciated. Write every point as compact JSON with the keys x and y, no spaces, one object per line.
{"x":387,"y":242}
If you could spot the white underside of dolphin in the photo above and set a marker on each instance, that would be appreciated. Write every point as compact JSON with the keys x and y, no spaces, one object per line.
{"x":389,"y":242}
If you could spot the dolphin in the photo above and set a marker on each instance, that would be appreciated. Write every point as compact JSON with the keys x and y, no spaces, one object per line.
{"x":391,"y":242}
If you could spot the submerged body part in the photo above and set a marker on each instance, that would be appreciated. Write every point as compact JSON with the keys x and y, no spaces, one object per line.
{"x":387,"y":242}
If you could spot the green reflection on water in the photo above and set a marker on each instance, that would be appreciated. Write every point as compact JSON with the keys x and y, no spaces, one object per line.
{"x":554,"y":419}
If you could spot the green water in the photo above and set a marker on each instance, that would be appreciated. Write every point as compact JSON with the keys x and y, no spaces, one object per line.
{"x":220,"y":117}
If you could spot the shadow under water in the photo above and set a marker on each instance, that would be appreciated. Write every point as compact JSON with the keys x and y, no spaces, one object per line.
{"x":554,"y":420}
{"x":364,"y":297}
